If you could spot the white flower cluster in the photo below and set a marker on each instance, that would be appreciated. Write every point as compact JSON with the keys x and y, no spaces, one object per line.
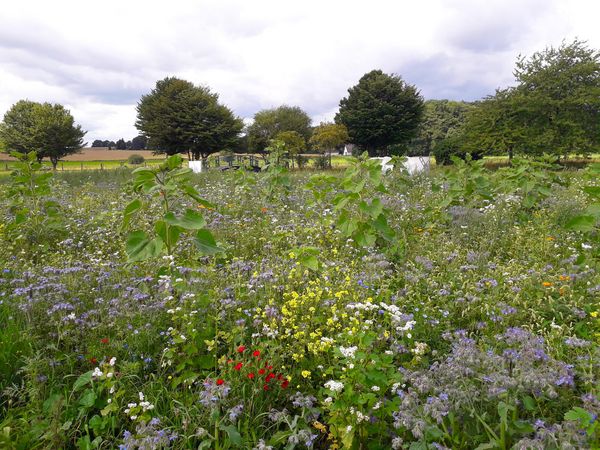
{"x":394,"y":312}
{"x":335,"y":386}
{"x":360,"y":417}
{"x":133,"y":408}
{"x":98,"y":373}
{"x":348,"y":352}
{"x":420,"y":348}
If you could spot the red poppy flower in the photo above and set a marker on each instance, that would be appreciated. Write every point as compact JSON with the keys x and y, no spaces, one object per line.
{"x":280,"y":377}
{"x":266,"y":387}
{"x":251,"y":375}
{"x":238,"y":366}
{"x":93,"y":360}
{"x":270,"y":377}
{"x":256,"y":353}
{"x":241,"y":349}
{"x":285,"y":384}
{"x":104,"y":340}
{"x":220,"y":381}
{"x":261,"y":372}
{"x":270,"y":367}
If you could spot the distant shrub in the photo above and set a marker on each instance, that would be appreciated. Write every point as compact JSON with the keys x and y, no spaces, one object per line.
{"x":135,"y":159}
{"x":452,"y":146}
{"x":322,"y":162}
{"x":302,"y":161}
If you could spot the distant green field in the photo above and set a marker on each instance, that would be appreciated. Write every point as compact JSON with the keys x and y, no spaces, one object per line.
{"x":7,"y":166}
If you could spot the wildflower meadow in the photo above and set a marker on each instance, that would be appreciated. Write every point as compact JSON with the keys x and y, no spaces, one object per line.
{"x":344,"y":309}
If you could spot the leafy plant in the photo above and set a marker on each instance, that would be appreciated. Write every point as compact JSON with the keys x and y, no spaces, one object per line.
{"x":168,"y":182}
{"x":36,"y":216}
{"x":588,"y":221}
{"x":361,"y":214}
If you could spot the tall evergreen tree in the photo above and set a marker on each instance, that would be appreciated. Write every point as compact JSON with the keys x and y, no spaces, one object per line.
{"x":380,"y":112}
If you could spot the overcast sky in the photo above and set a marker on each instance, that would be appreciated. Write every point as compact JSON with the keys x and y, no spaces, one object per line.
{"x":99,"y":57}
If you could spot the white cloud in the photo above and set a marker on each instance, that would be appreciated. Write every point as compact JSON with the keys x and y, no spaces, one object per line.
{"x":100,"y":57}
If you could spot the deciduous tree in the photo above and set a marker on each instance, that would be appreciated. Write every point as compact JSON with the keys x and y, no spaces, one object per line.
{"x":179,"y":117}
{"x":48,"y":129}
{"x":268,"y":123}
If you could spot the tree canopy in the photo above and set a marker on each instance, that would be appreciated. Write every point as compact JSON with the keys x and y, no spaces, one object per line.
{"x":441,"y":120}
{"x":381,"y":111}
{"x":48,"y":129}
{"x":554,"y":108}
{"x":294,"y":142}
{"x":178,"y":117}
{"x":268,"y":123}
{"x":329,"y":136}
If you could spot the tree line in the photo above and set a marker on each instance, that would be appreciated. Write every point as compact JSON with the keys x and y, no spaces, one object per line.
{"x":139,"y":142}
{"x":553,"y":108}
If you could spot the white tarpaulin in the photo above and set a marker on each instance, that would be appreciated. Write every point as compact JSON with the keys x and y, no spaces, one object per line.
{"x":196,"y":166}
{"x":413,"y":164}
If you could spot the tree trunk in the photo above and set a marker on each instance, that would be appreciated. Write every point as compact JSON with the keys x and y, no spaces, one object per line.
{"x":54,"y":162}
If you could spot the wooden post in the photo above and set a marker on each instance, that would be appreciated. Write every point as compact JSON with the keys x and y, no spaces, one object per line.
{"x":62,"y":166}
{"x":101,"y":166}
{"x":81,"y":166}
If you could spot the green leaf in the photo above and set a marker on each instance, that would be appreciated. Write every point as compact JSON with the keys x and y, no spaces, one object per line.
{"x":234,"y":436}
{"x":310,"y":261}
{"x":84,"y":379}
{"x":130,"y":210}
{"x":51,"y":402}
{"x":88,"y":398}
{"x":529,"y":403}
{"x":593,"y":210}
{"x":381,"y":225}
{"x":139,"y":247}
{"x":578,"y":414}
{"x":206,"y":242}
{"x":582,"y":223}
{"x":593,"y":191}
{"x":174,"y":161}
{"x":191,"y":220}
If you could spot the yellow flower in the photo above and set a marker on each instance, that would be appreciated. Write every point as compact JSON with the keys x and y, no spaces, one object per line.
{"x":306,"y":373}
{"x":319,"y":426}
{"x":594,"y":314}
{"x":546,"y":284}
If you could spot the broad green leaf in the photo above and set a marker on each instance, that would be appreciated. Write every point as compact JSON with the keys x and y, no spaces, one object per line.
{"x":310,"y":261}
{"x":381,"y":225}
{"x":593,"y":210}
{"x":191,"y":220}
{"x":529,"y":403}
{"x":593,"y":191}
{"x":140,"y":247}
{"x":82,"y":381}
{"x":582,"y":223}
{"x":88,"y":398}
{"x":130,"y":210}
{"x":206,"y":242}
{"x":232,"y":433}
{"x":578,"y":414}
